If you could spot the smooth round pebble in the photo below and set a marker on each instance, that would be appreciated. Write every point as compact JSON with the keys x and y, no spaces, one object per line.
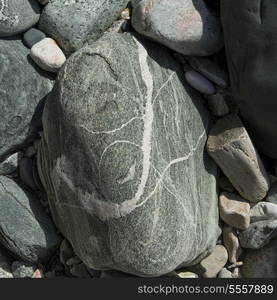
{"x":47,"y":55}
{"x":17,"y":16}
{"x":200,"y":83}
{"x":26,"y":172}
{"x":33,"y":36}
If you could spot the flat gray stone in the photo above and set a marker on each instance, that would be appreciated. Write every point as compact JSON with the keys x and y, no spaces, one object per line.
{"x":232,"y":149}
{"x":210,"y":70}
{"x":200,"y":83}
{"x":127,"y":160}
{"x":25,"y":229}
{"x":272,"y":194}
{"x":72,"y":23}
{"x":187,"y":26}
{"x":261,"y":263}
{"x":21,"y":89}
{"x":251,"y":43}
{"x":258,"y":234}
{"x":17,"y":16}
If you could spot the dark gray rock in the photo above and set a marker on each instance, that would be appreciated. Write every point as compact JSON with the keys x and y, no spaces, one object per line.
{"x":258,"y":234}
{"x":21,"y":269}
{"x":26,"y":172}
{"x":187,"y":26}
{"x":127,"y":162}
{"x":272,"y":194}
{"x":263,"y":211}
{"x":251,"y":44}
{"x":232,"y":149}
{"x":261,"y":263}
{"x":72,"y":23}
{"x":9,"y":165}
{"x":21,"y":89}
{"x":25,"y":229}
{"x":200,"y":83}
{"x":17,"y":16}
{"x":210,"y":70}
{"x":33,"y":36}
{"x":5,"y":264}
{"x":217,"y":104}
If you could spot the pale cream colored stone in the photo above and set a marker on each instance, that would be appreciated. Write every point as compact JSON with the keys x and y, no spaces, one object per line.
{"x":187,"y":274}
{"x":234,"y":210}
{"x":215,"y":262}
{"x":48,"y":55}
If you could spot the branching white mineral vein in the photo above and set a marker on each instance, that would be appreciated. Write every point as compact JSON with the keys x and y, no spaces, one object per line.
{"x":107,"y":210}
{"x":4,"y":5}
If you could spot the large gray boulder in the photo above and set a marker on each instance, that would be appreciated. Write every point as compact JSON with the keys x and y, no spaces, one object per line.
{"x":261,"y":263}
{"x":21,"y":89}
{"x":251,"y":45}
{"x":17,"y":16}
{"x":122,"y":159}
{"x":25,"y":229}
{"x":72,"y":23}
{"x":186,"y":26}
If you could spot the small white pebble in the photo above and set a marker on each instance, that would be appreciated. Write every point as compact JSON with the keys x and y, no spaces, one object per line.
{"x":48,"y":55}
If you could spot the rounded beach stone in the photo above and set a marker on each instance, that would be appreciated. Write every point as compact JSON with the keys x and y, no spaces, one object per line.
{"x":187,"y":27}
{"x":215,"y":262}
{"x":10,"y":164}
{"x":187,"y":274}
{"x":17,"y":16}
{"x":48,"y":55}
{"x":26,"y":172}
{"x":5,"y":263}
{"x":32,"y":236}
{"x":225,"y":273}
{"x":200,"y":83}
{"x":33,"y":36}
{"x":234,"y":210}
{"x":263,"y":211}
{"x":258,"y":234}
{"x":73,"y":23}
{"x":210,"y":70}
{"x":18,"y":102}
{"x":230,"y":146}
{"x":251,"y":45}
